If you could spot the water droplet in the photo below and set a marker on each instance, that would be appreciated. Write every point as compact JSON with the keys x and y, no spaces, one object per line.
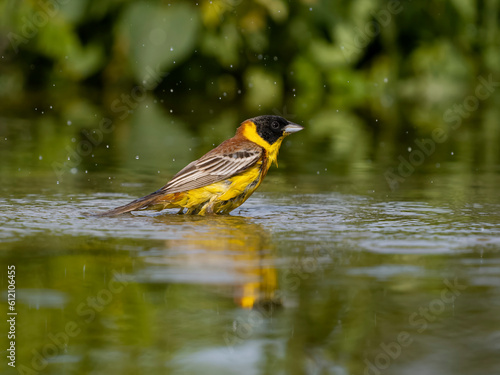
{"x":137,"y":157}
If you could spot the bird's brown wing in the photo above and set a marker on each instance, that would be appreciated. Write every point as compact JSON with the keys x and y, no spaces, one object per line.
{"x":228,"y":159}
{"x":225,"y":161}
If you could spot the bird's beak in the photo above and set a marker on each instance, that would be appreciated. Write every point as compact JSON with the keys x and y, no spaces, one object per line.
{"x":292,"y":128}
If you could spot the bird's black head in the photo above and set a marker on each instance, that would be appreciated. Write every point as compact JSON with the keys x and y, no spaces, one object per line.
{"x":272,"y":128}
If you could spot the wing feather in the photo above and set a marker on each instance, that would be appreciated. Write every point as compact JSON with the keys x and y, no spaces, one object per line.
{"x":217,"y":165}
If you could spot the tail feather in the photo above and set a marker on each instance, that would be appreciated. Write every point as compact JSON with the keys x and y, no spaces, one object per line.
{"x":138,"y":204}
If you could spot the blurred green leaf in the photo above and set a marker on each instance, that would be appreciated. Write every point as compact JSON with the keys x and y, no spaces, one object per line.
{"x":158,"y":36}
{"x":264,"y":89}
{"x":150,"y":130}
{"x":224,"y":46}
{"x":348,"y":138}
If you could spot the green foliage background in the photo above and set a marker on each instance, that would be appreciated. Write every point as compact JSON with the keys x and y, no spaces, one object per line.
{"x":366,"y":77}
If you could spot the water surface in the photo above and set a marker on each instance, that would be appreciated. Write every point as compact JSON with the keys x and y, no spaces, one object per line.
{"x":319,"y":274}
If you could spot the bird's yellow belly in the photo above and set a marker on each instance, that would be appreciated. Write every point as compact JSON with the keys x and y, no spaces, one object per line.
{"x":220,"y":197}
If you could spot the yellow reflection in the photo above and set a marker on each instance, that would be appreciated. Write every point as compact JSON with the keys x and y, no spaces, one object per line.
{"x":228,"y":246}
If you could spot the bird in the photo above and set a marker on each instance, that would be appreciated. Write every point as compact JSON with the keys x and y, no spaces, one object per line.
{"x":223,"y":178}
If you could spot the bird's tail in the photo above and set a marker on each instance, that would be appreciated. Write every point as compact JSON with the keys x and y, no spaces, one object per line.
{"x":138,"y":204}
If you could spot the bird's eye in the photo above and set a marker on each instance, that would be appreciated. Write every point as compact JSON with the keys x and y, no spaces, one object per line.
{"x":275,"y":125}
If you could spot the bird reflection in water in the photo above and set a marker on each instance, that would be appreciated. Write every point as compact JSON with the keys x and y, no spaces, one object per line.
{"x":227,"y":251}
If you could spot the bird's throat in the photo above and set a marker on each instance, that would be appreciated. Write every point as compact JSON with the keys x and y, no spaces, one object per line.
{"x":250,"y":133}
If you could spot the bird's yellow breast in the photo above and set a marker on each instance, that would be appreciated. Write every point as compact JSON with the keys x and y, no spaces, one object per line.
{"x":222,"y":197}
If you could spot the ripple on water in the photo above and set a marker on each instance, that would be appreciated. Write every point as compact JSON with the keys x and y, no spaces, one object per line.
{"x":374,"y":225}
